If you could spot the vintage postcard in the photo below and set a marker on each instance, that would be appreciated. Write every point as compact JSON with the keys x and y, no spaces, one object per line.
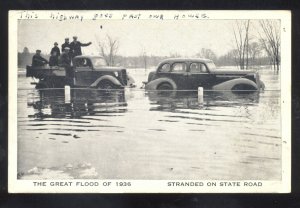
{"x":154,"y":101}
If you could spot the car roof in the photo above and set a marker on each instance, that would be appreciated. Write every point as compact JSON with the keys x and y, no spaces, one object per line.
{"x":171,"y":60}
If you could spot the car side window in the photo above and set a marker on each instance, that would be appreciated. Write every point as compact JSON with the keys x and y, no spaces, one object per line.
{"x":179,"y":67}
{"x":203,"y":68}
{"x":198,"y":68}
{"x":165,"y":68}
{"x":195,"y":68}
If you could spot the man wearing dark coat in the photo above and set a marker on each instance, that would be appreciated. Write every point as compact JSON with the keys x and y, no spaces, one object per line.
{"x":53,"y":60}
{"x":38,"y":60}
{"x":66,"y":44}
{"x":76,"y":47}
{"x":55,"y":49}
{"x":64,"y":59}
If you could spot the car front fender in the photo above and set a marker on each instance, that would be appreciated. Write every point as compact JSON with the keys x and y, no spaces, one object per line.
{"x":155,"y":83}
{"x":262,"y":85}
{"x":110,"y":78}
{"x":130,"y":81}
{"x":228,"y":85}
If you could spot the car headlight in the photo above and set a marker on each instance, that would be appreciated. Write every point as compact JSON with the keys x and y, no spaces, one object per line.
{"x":116,"y":74}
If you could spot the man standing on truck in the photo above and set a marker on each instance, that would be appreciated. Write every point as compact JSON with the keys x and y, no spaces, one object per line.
{"x":55,"y":49}
{"x":76,"y":47}
{"x":53,"y":60}
{"x":64,"y":59}
{"x":66,"y":44}
{"x":38,"y":60}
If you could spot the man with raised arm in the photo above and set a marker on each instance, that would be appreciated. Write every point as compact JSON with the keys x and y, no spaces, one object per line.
{"x":76,"y":47}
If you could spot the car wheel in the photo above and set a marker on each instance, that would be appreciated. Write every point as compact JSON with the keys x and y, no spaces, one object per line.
{"x":164,"y":89}
{"x":164,"y":86}
{"x":243,"y":88}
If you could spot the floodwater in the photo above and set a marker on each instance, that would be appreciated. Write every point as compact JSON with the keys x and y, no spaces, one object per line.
{"x":134,"y":134}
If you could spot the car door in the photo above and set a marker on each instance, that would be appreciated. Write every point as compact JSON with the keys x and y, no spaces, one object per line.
{"x":83,"y":73}
{"x":179,"y":75}
{"x":199,"y":75}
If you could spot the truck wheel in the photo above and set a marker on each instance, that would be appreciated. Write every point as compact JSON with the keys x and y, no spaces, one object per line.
{"x":107,"y":85}
{"x":41,"y":85}
{"x":50,"y":82}
{"x":45,"y":83}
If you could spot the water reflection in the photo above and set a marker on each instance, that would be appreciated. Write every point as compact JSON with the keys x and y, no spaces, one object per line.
{"x":189,"y":100}
{"x":83,"y":102}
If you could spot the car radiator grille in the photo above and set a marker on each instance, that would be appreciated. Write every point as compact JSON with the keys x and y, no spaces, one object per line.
{"x":123,"y":76}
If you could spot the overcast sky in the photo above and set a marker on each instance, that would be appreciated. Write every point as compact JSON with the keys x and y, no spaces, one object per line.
{"x":185,"y":37}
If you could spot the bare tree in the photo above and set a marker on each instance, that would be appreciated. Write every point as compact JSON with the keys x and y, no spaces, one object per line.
{"x":271,"y":40}
{"x":254,"y":51}
{"x":241,"y":35}
{"x":235,"y":55}
{"x":108,"y":49}
{"x":207,"y":53}
{"x":174,"y":55}
{"x":268,"y":50}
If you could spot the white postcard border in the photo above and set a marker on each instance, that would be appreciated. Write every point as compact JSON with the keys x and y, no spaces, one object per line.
{"x":153,"y":186}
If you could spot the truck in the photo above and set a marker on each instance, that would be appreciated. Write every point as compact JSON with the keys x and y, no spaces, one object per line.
{"x":86,"y":71}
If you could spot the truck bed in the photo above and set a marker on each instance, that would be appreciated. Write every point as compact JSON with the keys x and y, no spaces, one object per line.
{"x":41,"y":72}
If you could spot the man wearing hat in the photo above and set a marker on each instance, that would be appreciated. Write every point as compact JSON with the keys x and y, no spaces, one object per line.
{"x":76,"y":47}
{"x":38,"y":60}
{"x":66,"y":44}
{"x":55,"y":49}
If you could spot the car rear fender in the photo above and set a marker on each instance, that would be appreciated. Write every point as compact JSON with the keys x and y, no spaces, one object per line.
{"x":228,"y":85}
{"x":155,"y":83}
{"x":110,"y":78}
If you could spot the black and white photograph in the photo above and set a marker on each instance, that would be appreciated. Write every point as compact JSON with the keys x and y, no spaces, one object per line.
{"x":149,"y":101}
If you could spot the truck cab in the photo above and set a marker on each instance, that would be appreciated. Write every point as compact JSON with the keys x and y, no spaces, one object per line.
{"x":92,"y":71}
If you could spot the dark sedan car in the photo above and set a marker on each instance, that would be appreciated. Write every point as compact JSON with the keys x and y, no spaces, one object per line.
{"x":191,"y":73}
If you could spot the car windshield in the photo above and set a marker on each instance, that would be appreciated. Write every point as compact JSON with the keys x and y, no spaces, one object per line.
{"x":211,"y":66}
{"x":98,"y":62}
